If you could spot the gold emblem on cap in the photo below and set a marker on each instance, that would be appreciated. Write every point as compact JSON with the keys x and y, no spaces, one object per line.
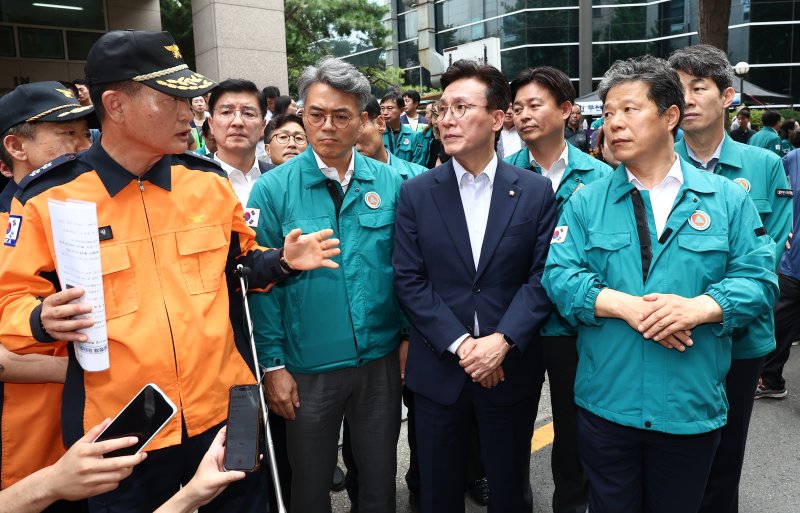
{"x":192,"y":83}
{"x":176,"y":52}
{"x":66,"y":92}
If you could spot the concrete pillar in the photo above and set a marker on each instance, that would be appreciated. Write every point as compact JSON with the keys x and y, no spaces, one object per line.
{"x":585,"y":47}
{"x":135,"y":14}
{"x":241,"y":39}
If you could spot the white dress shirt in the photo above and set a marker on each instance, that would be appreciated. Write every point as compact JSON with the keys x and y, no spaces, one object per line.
{"x":476,"y":198}
{"x":333,"y":174}
{"x":511,"y":141}
{"x":662,"y":196}
{"x":556,"y":171}
{"x":242,"y":182}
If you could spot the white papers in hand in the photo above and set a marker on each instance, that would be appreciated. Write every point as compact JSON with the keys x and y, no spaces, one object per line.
{"x":77,"y":248}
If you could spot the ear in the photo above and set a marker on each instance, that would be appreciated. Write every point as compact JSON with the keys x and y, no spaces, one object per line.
{"x":364,"y":119}
{"x":566,"y":110}
{"x":672,"y":115}
{"x":5,"y":171}
{"x":115,"y":103}
{"x":498,"y":117}
{"x":381,"y":124}
{"x":727,"y":97}
{"x":15,"y":147}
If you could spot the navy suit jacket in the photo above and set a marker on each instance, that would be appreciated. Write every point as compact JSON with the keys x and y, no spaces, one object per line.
{"x":440,"y":289}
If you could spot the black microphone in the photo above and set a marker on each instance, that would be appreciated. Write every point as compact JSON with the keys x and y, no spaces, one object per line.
{"x":241,"y":270}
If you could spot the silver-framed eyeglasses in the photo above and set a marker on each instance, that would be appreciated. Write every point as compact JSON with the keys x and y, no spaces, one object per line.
{"x":338,"y":120}
{"x":457,"y":110}
{"x":228,"y":113}
{"x":283,"y":138}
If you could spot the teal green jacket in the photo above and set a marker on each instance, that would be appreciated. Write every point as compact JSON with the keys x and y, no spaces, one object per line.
{"x":581,"y":170}
{"x":329,"y":319}
{"x":621,"y":376}
{"x":761,"y":174}
{"x":406,"y":169}
{"x":768,"y":139}
{"x":407,"y":145}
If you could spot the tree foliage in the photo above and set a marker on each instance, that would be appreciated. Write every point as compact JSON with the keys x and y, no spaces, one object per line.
{"x":176,"y":18}
{"x":315,"y":28}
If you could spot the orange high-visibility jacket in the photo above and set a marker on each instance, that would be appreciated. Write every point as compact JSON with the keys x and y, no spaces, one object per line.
{"x":168,"y":244}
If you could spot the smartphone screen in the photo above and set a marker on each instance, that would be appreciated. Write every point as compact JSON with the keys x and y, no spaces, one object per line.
{"x":244,"y":429}
{"x":143,"y":417}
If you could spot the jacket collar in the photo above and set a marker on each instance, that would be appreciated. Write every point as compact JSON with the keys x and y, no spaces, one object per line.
{"x":7,"y":195}
{"x":693,"y":180}
{"x":729,"y":154}
{"x":115,"y":177}
{"x":311,"y":174}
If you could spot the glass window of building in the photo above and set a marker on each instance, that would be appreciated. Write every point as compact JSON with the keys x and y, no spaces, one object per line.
{"x":78,"y":14}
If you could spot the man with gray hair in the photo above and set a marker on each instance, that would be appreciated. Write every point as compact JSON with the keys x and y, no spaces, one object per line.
{"x":654,"y":348}
{"x":707,"y":79}
{"x":330,"y":342}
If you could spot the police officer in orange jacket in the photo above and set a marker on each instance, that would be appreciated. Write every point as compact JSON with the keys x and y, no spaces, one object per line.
{"x":171,"y":232}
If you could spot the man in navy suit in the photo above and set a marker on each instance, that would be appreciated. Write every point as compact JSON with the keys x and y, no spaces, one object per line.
{"x":471,"y":241}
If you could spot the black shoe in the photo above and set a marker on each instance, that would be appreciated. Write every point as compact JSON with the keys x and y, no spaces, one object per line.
{"x":338,"y":480}
{"x":479,"y":491}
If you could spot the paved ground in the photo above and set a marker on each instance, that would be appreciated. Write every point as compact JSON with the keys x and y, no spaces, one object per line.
{"x":771,"y":474}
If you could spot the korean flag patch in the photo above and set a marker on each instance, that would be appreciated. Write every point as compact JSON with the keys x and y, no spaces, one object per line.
{"x":251,"y":216}
{"x":12,"y":230}
{"x":559,"y":235}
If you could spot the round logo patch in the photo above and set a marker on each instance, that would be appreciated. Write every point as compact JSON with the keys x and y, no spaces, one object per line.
{"x":744,"y":182}
{"x":372,"y":199}
{"x":405,"y":141}
{"x":699,"y":220}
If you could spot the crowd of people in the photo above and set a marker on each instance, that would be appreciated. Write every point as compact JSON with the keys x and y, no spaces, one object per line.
{"x":446,"y":260}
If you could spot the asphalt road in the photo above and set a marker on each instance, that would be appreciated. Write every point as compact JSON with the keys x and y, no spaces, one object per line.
{"x":770,"y":478}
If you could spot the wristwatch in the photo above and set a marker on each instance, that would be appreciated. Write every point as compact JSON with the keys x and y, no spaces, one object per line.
{"x":288,"y":269}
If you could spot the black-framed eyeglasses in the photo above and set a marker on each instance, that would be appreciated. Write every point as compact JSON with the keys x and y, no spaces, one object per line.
{"x":457,"y":110}
{"x":338,"y":120}
{"x":283,"y":138}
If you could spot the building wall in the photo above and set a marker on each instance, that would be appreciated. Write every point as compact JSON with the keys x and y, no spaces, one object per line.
{"x":119,"y":14}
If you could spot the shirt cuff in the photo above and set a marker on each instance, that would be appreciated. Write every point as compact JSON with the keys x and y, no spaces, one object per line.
{"x":455,"y":345}
{"x":277,"y":367}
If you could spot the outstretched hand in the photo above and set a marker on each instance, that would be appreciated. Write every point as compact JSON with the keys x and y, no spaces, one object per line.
{"x":310,"y":251}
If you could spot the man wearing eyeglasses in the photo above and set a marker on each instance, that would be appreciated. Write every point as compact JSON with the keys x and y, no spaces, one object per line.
{"x":237,"y":122}
{"x":471,"y":239}
{"x":330,"y":343}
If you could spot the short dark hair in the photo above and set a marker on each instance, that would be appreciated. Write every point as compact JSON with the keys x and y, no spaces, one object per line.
{"x":206,"y":128}
{"x":25,"y":130}
{"x":787,"y":127}
{"x":498,"y":94}
{"x":281,"y":104}
{"x":552,"y":79}
{"x":270,"y":92}
{"x":373,"y":109}
{"x":96,"y":91}
{"x":770,"y":118}
{"x":394,"y":96}
{"x":236,"y":85}
{"x":79,"y":81}
{"x":704,"y":61}
{"x":278,"y":121}
{"x":743,"y":112}
{"x":414,"y":95}
{"x":664,"y":86}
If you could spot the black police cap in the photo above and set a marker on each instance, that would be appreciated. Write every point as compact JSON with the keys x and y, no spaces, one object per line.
{"x":152,"y":58}
{"x":40,"y":101}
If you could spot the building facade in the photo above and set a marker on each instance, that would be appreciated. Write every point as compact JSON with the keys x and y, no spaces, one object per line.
{"x":764,"y":33}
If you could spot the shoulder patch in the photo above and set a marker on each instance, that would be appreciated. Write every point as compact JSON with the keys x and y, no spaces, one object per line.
{"x":784,"y":193}
{"x":192,"y":160}
{"x":62,"y":170}
{"x":12,"y":230}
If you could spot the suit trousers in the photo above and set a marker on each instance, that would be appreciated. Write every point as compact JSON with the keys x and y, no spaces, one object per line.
{"x":160,"y":476}
{"x":369,"y":398}
{"x":443,"y":438}
{"x":571,"y":494}
{"x":633,"y":470}
{"x":787,"y":330}
{"x":722,"y":490}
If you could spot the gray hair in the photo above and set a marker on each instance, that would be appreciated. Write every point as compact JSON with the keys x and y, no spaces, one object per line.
{"x":337,"y":74}
{"x":665,"y":86}
{"x":704,"y":61}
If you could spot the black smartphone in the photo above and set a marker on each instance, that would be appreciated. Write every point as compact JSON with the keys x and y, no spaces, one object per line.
{"x":143,"y":417}
{"x":244,"y":429}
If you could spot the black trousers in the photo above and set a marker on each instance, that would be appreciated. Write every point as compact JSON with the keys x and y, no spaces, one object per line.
{"x":277,"y":426}
{"x":158,"y":477}
{"x":722,"y":490}
{"x":633,"y":470}
{"x":787,"y":329}
{"x":571,"y":494}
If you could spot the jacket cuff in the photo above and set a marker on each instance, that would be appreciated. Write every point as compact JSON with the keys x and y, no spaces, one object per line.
{"x":726,"y":326}
{"x":37,"y":330}
{"x":585,"y":313}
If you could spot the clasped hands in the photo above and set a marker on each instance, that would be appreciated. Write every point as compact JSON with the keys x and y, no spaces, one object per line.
{"x":668,"y":318}
{"x":482,"y":358}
